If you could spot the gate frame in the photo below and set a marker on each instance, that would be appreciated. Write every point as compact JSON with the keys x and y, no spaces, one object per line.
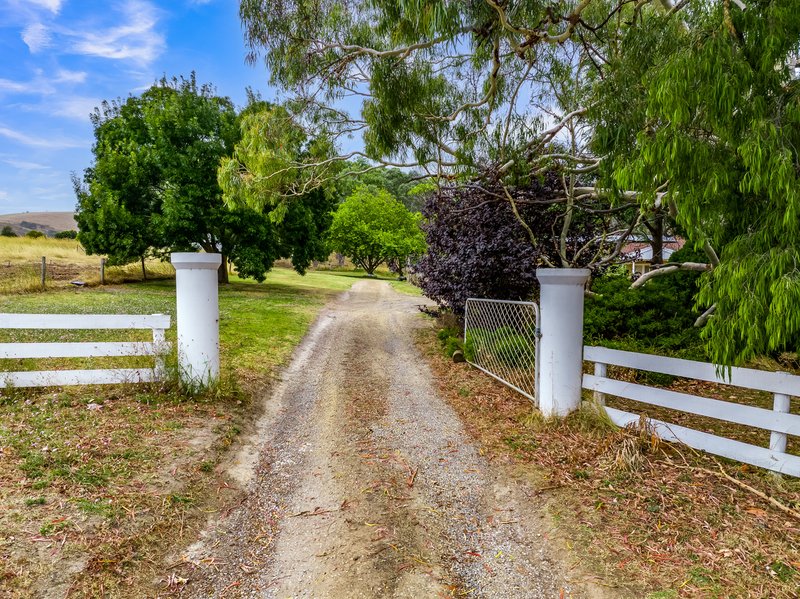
{"x":537,"y":334}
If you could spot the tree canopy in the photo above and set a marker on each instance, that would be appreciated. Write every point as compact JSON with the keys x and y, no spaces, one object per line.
{"x":371,"y":227}
{"x":702,"y":114}
{"x":646,"y":111}
{"x":262,"y":174}
{"x":153,"y":187}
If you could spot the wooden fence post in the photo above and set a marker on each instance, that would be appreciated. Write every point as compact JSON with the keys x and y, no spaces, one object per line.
{"x":600,"y":370}
{"x":777,"y":441}
{"x":102,"y":271}
{"x":44,"y":269}
{"x":160,"y":342}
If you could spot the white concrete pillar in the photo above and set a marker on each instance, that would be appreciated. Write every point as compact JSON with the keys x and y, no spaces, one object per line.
{"x":198,"y":316}
{"x":561,"y":346}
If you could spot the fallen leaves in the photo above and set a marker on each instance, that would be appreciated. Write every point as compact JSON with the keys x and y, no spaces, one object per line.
{"x":652,"y":524}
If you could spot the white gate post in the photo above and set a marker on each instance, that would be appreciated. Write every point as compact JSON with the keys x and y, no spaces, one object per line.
{"x":198,"y":316}
{"x":561,"y":346}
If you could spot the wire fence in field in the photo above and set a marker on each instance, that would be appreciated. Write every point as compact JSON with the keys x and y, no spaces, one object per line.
{"x":501,"y":338}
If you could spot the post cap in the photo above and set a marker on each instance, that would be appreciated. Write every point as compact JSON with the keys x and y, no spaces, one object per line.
{"x":192,"y":260}
{"x":563,"y":276}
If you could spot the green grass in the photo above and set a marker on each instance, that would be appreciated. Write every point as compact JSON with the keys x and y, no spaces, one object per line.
{"x":109,"y":454}
{"x":147,"y":449}
{"x":260,"y":324}
{"x":381,"y":274}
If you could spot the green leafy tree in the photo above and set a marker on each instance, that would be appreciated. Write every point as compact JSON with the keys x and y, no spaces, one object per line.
{"x":263,"y":175}
{"x":118,"y":195}
{"x":68,"y":234}
{"x":700,"y":111}
{"x":153,"y":188}
{"x":371,"y":227}
{"x":34,"y":234}
{"x":685,"y":107}
{"x":399,"y":183}
{"x":459,"y":91}
{"x":7,"y":231}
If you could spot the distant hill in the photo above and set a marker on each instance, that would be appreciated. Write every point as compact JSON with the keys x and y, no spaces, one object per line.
{"x":48,"y":223}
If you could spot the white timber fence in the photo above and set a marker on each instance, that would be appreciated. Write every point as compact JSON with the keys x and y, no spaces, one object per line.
{"x":197,"y":307}
{"x":778,"y":420}
{"x":157,"y":348}
{"x":560,"y":380}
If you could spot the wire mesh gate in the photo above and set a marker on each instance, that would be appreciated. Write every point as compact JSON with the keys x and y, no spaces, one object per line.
{"x":501,"y":338}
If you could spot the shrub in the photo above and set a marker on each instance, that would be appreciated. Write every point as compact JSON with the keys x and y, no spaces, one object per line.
{"x":34,"y":234}
{"x":476,"y":248}
{"x":7,"y":231}
{"x":450,"y":337}
{"x":71,"y":234}
{"x":656,"y":317}
{"x":507,"y":345}
{"x":513,"y":350}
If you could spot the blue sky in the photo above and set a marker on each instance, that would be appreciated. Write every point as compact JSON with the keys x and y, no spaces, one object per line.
{"x":63,"y":57}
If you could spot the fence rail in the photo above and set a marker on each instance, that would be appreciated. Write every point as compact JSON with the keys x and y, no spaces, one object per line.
{"x":158,"y":323}
{"x":778,"y":420}
{"x":502,"y":339}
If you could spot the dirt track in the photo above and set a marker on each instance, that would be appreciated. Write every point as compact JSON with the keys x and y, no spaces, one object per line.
{"x":363,"y":482}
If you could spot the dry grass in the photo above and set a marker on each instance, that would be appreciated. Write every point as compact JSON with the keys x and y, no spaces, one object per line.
{"x":746,"y":434}
{"x":24,"y":250}
{"x":107,"y":491}
{"x":651,"y":519}
{"x":21,"y":259}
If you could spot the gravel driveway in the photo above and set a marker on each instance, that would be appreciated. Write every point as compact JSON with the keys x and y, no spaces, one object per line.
{"x":363,"y":482}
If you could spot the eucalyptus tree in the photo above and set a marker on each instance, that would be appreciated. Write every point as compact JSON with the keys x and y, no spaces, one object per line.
{"x":260,"y":175}
{"x":461,"y":91}
{"x":699,"y":111}
{"x":684,"y":109}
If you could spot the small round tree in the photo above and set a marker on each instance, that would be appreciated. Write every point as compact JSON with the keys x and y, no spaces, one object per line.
{"x":371,"y":227}
{"x":7,"y":231}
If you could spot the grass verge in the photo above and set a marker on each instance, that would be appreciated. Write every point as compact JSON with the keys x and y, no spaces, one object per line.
{"x":97,"y":484}
{"x":651,"y":519}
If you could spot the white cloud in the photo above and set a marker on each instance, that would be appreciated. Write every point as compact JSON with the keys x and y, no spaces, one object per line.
{"x":3,"y":196}
{"x":136,"y":39}
{"x":38,"y":142}
{"x":54,"y":6}
{"x":36,"y":36}
{"x":67,"y":76}
{"x":75,"y":107}
{"x":19,"y":87}
{"x":24,"y":165}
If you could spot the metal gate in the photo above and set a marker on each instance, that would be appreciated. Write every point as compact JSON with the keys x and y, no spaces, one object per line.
{"x":501,"y":338}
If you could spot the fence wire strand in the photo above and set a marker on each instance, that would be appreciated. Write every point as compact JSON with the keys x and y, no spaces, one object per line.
{"x":501,"y":339}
